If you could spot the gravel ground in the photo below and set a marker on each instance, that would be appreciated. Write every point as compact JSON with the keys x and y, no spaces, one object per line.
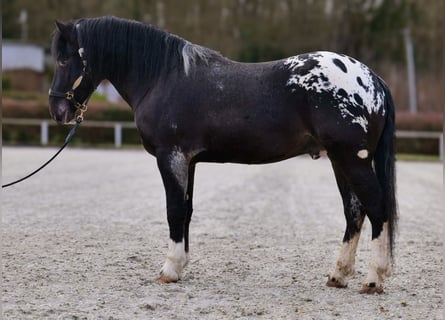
{"x":86,"y":238}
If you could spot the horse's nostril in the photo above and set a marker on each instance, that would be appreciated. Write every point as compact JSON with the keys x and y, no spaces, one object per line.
{"x":66,"y":118}
{"x":60,"y":111}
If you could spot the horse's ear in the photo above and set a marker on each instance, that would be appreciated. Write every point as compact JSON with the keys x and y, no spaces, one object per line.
{"x":67,"y":31}
{"x":62,"y":27}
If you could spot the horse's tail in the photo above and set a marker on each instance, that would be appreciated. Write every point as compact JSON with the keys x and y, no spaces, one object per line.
{"x":384,"y":164}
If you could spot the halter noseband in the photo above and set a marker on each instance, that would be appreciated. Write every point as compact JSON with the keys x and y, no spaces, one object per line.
{"x":69,"y":95}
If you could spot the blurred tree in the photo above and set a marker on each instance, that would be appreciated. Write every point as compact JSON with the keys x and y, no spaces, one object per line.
{"x":258,"y":30}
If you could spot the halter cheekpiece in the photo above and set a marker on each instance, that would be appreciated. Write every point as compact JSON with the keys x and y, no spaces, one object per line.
{"x":69,"y":95}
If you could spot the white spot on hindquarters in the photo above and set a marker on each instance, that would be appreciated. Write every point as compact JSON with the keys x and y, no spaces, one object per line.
{"x":176,"y":260}
{"x":363,"y":154}
{"x":351,"y":83}
{"x":362,"y":121}
{"x":326,"y":76}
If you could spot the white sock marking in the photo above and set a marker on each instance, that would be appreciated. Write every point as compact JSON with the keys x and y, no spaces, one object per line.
{"x":346,"y":261}
{"x":176,"y":260}
{"x":379,"y":265}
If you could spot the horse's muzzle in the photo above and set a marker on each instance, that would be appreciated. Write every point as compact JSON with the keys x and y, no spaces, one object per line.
{"x":61,"y":110}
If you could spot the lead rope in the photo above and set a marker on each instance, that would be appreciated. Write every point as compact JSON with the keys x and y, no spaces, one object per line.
{"x":68,"y":139}
{"x":81,"y":109}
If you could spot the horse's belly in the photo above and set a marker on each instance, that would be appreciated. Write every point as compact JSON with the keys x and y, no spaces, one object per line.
{"x":256,"y":149}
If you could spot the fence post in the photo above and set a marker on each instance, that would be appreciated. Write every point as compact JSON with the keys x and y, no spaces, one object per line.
{"x":117,"y":135}
{"x":441,"y":146}
{"x":411,"y":70}
{"x":44,"y":132}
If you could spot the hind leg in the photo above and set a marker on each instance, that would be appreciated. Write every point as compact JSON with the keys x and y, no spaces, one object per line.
{"x":380,"y":263}
{"x":362,"y":179}
{"x":354,"y":215}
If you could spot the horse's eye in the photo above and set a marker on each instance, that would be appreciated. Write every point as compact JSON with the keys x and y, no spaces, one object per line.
{"x":62,"y":63}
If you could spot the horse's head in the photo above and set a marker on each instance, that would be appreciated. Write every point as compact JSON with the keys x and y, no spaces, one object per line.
{"x":72,"y":84}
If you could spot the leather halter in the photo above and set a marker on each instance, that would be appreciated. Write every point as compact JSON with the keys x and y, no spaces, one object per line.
{"x":69,"y":95}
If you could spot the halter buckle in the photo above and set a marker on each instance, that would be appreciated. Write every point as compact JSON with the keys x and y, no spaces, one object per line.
{"x":81,"y":107}
{"x":69,"y":95}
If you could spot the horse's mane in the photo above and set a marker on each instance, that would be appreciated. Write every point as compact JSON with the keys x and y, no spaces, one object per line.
{"x":142,"y":48}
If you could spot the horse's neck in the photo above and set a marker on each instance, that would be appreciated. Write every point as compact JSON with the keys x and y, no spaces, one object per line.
{"x":133,"y":82}
{"x":128,"y":90}
{"x":130,"y":85}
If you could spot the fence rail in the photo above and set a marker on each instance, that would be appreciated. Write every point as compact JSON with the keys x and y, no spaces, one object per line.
{"x":118,"y":126}
{"x":45,"y":124}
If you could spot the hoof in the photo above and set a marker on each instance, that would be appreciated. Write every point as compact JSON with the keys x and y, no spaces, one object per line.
{"x":371,"y":288}
{"x":168,"y":275}
{"x":165,"y":279}
{"x":336,"y":282}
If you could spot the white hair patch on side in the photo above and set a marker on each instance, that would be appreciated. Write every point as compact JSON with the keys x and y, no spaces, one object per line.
{"x":179,"y":165}
{"x":363,"y":154}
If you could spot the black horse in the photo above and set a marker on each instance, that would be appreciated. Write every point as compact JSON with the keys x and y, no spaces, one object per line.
{"x":192,"y":105}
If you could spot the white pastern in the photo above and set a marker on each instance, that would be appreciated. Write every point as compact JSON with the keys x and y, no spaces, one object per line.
{"x":345,"y":263}
{"x":380,"y":264}
{"x":176,"y":260}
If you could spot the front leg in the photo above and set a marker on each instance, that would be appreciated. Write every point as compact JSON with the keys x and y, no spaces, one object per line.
{"x":176,"y":260}
{"x":174,"y":168}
